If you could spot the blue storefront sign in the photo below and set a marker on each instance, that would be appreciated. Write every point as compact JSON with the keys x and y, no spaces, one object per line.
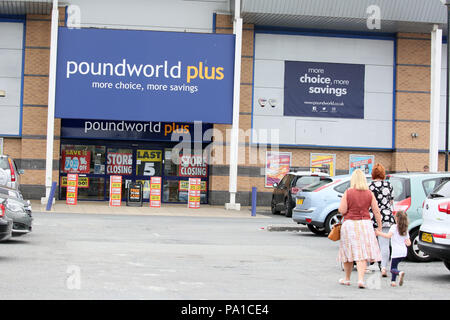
{"x":132,"y":130}
{"x":144,"y":76}
{"x":318,"y":89}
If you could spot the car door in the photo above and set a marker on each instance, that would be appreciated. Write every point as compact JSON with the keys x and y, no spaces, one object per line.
{"x":280,"y":190}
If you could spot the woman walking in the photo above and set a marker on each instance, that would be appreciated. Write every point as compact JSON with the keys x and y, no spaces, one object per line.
{"x":384,"y":193}
{"x":358,"y":241}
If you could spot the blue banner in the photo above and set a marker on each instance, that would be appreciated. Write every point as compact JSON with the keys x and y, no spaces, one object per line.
{"x":131,"y":130}
{"x":144,"y":76}
{"x":319,"y":89}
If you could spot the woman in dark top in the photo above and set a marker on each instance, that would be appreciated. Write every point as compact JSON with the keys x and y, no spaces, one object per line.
{"x":384,"y":194}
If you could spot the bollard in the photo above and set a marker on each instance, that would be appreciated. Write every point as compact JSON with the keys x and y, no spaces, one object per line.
{"x":50,"y":197}
{"x":254,"y":194}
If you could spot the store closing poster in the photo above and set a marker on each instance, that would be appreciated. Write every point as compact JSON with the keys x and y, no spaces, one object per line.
{"x":318,"y":89}
{"x":363,"y":162}
{"x":278,"y":165}
{"x":326,"y":163}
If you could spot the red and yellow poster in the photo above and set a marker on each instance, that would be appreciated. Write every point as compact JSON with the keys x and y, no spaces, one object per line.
{"x":76,"y":161}
{"x":326,"y":162}
{"x":72,"y":189}
{"x":278,"y":165}
{"x":194,"y":193}
{"x":155,"y":192}
{"x":115,"y":191}
{"x":83,"y":182}
{"x":184,"y":185}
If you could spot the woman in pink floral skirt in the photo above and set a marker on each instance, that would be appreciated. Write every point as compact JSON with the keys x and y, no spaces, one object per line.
{"x":358,"y":240}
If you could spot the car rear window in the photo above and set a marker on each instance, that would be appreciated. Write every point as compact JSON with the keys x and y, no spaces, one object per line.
{"x":4,"y":163}
{"x":306,"y":180}
{"x":443,"y":190}
{"x":317,"y":184}
{"x":342,"y":187}
{"x":401,"y":188}
{"x":430,"y":184}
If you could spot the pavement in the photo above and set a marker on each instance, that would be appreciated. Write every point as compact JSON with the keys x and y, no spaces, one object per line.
{"x":102,"y":207}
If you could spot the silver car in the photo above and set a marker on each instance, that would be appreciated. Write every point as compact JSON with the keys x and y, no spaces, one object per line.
{"x":17,"y":209}
{"x":9,"y":174}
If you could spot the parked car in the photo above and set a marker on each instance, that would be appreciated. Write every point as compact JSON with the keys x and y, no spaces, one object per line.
{"x":292,"y":182}
{"x":9,"y":174}
{"x":5,"y":223}
{"x":434,"y":233}
{"x":410,"y":191}
{"x":317,"y":204}
{"x":17,"y":209}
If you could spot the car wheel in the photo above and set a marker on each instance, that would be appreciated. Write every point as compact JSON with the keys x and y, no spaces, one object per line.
{"x":333,"y":218}
{"x":273,"y":208}
{"x":447,"y":264}
{"x":288,"y":206}
{"x":316,"y":230}
{"x":414,"y":253}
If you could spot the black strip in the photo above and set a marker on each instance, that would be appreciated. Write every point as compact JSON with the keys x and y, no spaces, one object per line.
{"x":35,"y":105}
{"x":407,"y":150}
{"x":411,"y":38}
{"x":36,"y":75}
{"x":406,"y":120}
{"x":410,"y":91}
{"x":37,"y":47}
{"x":35,"y":164}
{"x":38,"y":137}
{"x":414,"y":65}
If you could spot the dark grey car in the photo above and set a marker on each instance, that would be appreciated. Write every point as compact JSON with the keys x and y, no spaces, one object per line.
{"x":5,"y":223}
{"x":17,"y":209}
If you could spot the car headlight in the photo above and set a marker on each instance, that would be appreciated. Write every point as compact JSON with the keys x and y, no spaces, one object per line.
{"x":14,"y":206}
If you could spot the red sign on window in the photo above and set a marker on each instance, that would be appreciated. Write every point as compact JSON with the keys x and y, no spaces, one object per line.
{"x":193,"y":166}
{"x":76,"y":161}
{"x":120,"y":163}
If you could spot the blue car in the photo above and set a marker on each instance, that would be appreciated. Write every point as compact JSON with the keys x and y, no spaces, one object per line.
{"x":317,"y":205}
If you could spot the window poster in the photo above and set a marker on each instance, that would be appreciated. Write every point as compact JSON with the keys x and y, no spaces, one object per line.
{"x":363,"y":162}
{"x":278,"y":165}
{"x":324,"y":162}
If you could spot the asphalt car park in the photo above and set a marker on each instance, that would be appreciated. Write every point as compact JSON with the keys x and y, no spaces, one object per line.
{"x":103,"y":256}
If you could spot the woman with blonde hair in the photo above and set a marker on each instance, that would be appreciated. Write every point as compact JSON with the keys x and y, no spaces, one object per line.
{"x":358,"y":241}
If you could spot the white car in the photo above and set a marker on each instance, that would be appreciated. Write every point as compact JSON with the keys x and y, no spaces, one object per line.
{"x":434,"y":234}
{"x":9,"y":174}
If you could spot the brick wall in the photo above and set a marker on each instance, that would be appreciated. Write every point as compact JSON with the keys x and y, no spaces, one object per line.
{"x":30,"y":151}
{"x":412,"y":114}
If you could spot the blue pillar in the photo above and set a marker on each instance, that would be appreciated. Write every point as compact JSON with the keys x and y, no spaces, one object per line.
{"x":254,"y":193}
{"x":50,"y":197}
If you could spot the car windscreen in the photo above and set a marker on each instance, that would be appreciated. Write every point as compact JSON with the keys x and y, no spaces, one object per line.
{"x":401,"y":188}
{"x":317,"y":184}
{"x":306,"y":181}
{"x":442,"y":190}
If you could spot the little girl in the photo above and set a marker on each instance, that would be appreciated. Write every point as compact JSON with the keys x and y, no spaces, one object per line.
{"x":398,"y":233}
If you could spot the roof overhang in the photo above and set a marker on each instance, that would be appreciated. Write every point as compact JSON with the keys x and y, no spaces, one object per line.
{"x":416,"y":16}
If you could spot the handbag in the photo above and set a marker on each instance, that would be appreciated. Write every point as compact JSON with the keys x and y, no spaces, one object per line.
{"x":335,"y":233}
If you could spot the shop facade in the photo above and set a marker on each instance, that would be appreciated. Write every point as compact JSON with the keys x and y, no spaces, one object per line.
{"x":107,"y":149}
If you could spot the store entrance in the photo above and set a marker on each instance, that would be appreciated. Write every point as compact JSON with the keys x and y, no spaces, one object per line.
{"x":96,"y":162}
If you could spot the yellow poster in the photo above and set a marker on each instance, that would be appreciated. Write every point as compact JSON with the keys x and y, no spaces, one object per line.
{"x":324,"y":162}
